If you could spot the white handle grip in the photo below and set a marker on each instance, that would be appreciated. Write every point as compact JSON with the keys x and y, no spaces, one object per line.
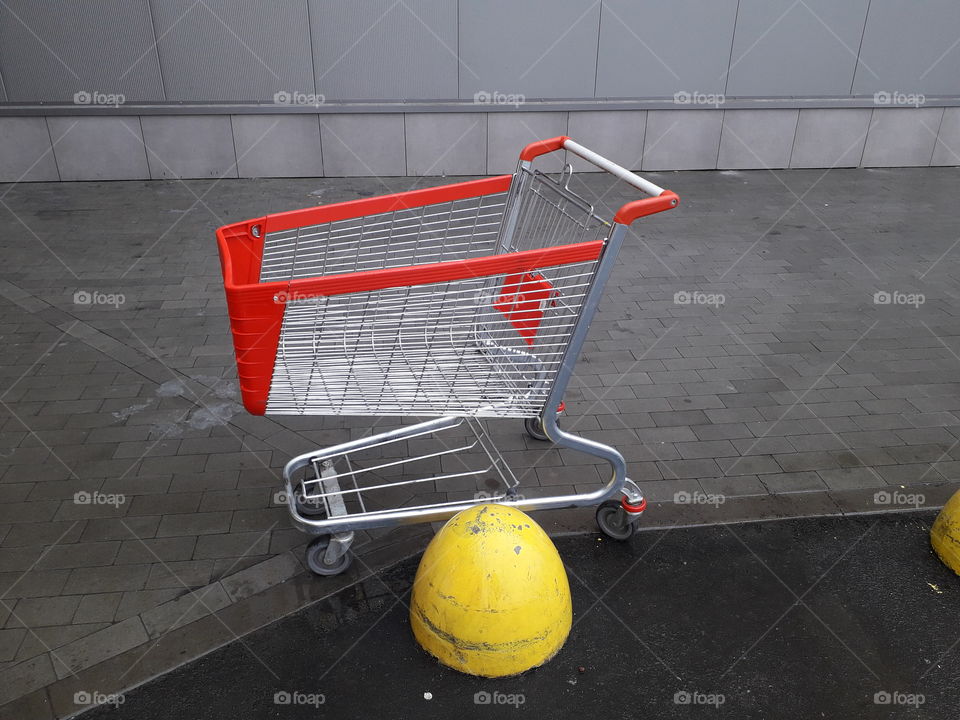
{"x":611,"y":167}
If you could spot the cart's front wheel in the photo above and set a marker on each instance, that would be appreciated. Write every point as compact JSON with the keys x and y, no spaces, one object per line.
{"x":534,"y":429}
{"x":614,"y":522}
{"x":316,"y":558}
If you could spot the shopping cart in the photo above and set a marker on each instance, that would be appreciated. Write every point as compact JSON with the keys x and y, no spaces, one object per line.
{"x":460,"y":303}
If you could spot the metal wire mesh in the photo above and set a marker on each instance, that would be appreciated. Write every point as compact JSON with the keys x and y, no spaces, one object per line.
{"x":447,"y":231}
{"x":439,"y":349}
{"x":548,"y":214}
{"x":449,"y":348}
{"x":424,"y":471}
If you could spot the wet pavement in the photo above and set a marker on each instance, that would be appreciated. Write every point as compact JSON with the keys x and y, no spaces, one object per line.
{"x":807,"y":618}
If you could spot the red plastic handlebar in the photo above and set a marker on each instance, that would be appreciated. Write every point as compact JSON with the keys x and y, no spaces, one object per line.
{"x":542,"y":147}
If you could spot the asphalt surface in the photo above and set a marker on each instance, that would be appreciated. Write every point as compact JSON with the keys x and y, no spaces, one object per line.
{"x":810,"y":618}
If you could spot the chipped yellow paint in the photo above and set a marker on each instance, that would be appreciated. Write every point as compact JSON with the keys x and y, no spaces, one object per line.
{"x":945,"y":534}
{"x":491,"y":595}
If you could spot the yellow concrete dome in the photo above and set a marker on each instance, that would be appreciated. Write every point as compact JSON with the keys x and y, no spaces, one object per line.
{"x":491,"y":595}
{"x":945,"y":533}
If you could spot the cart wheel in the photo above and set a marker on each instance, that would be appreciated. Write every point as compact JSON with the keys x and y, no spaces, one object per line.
{"x":534,"y":429}
{"x":614,"y":521}
{"x":308,"y":507}
{"x":315,"y":558}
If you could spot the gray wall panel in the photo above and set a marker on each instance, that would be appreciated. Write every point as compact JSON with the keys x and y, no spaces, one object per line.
{"x":509,"y":133}
{"x":757,"y":138}
{"x":784,"y":47}
{"x":947,"y":150}
{"x":245,"y":50}
{"x":3,"y":90}
{"x":830,"y":138}
{"x":537,"y":48}
{"x":615,"y":134}
{"x":902,"y":137}
{"x":277,"y":145}
{"x":363,"y":145}
{"x":911,"y":48}
{"x":25,"y":153}
{"x":446,"y":143}
{"x":655,"y":49}
{"x":198,"y":146}
{"x":682,"y":139}
{"x":383,"y":49}
{"x":99,"y":148}
{"x":52,"y":50}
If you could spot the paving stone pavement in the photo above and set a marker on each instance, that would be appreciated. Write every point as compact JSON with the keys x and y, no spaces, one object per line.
{"x":777,"y":334}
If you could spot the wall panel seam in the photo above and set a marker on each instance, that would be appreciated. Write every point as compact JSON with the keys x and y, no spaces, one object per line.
{"x":863,"y":33}
{"x":936,"y":138}
{"x":866,"y":137}
{"x":53,"y":149}
{"x":156,"y":49}
{"x":793,"y":145}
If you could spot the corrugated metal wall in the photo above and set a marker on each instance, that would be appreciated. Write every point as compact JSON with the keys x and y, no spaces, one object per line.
{"x":249,"y":50}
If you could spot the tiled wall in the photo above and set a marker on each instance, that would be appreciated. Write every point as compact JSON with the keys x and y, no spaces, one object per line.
{"x":389,"y":144}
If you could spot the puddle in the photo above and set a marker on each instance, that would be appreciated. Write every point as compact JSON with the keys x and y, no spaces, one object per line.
{"x":211,"y":413}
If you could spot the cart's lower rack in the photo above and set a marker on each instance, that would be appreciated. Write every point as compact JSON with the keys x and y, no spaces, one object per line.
{"x":454,"y":459}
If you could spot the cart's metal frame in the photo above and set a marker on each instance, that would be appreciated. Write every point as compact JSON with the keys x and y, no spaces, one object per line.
{"x":317,"y":494}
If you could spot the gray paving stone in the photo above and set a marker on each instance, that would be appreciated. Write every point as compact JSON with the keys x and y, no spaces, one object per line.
{"x":260,"y":577}
{"x":10,"y":641}
{"x":97,"y":608}
{"x":47,"y":639}
{"x":793,"y":482}
{"x":194,"y":524}
{"x":683,"y":469}
{"x":796,"y":462}
{"x":233,"y":545}
{"x":79,"y":555}
{"x":153,"y":550}
{"x":35,"y":612}
{"x":36,"y":583}
{"x":179,"y":574}
{"x":134,"y":603}
{"x":185,"y":609}
{"x":99,"y":646}
{"x":120,"y":528}
{"x":737,"y":486}
{"x":849,"y":478}
{"x":25,"y":677}
{"x":706,"y":449}
{"x":106,"y":579}
{"x":748,"y":465}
